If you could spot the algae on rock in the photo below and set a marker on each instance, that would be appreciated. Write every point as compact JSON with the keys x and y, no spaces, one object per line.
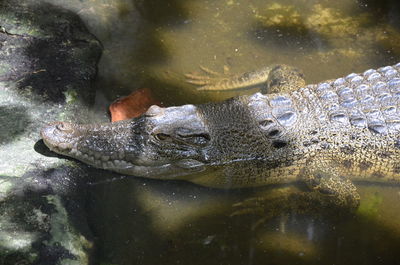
{"x":48,"y":60}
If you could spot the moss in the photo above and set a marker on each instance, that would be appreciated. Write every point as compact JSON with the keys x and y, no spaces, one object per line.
{"x":333,"y":24}
{"x":47,"y":62}
{"x":70,"y":96}
{"x":64,"y":234}
{"x":280,"y":16}
{"x":389,"y":39}
{"x":370,"y":205}
{"x":5,"y":187}
{"x":4,"y":68}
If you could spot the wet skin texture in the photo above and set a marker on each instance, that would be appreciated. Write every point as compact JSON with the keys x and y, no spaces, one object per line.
{"x":325,"y":135}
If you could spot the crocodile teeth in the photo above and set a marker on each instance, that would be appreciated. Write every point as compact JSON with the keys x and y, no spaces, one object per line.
{"x":105,"y":158}
{"x":74,"y":152}
{"x":85,"y":156}
{"x":63,"y":146}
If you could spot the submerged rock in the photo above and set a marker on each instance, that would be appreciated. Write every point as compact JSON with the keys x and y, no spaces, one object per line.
{"x":342,"y":32}
{"x":48,"y":60}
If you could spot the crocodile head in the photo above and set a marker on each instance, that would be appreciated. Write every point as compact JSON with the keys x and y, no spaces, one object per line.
{"x":162,"y":143}
{"x":178,"y":143}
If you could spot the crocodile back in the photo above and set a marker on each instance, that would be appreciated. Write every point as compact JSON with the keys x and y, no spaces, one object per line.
{"x":350,"y":123}
{"x":369,"y":100}
{"x":356,"y":110}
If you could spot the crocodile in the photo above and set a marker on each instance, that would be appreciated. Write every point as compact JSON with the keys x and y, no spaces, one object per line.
{"x":327,"y":135}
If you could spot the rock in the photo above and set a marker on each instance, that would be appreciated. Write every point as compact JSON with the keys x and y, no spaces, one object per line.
{"x":51,"y":52}
{"x":48,"y":60}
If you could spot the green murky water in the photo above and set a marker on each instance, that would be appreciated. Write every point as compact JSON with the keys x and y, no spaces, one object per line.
{"x":152,"y":43}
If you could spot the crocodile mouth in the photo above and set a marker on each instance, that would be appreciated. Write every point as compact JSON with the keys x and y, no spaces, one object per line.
{"x":58,"y":137}
{"x":72,"y":140}
{"x":166,"y":170}
{"x":91,"y":158}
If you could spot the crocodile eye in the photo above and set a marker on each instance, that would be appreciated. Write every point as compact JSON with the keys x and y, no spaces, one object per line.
{"x":194,"y":139}
{"x":162,"y":136}
{"x":64,"y":127}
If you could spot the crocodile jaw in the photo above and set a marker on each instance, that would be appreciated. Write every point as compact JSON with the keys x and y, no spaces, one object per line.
{"x":131,"y":147}
{"x":75,"y":140}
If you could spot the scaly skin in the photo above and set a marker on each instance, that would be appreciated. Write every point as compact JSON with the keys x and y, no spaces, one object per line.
{"x":270,"y":79}
{"x":325,"y":135}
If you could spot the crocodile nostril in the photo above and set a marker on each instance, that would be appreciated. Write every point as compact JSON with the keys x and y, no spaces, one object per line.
{"x":154,"y":110}
{"x":60,"y":126}
{"x":63,"y":127}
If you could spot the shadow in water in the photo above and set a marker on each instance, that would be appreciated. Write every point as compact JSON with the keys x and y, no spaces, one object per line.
{"x":143,"y":48}
{"x":333,"y":33}
{"x":158,"y":12}
{"x":289,"y":37}
{"x":387,"y":10}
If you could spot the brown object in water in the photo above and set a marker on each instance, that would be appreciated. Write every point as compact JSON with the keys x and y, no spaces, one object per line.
{"x":133,"y":105}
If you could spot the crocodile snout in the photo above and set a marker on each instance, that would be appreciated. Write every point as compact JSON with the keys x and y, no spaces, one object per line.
{"x":163,"y":143}
{"x":59,"y":136}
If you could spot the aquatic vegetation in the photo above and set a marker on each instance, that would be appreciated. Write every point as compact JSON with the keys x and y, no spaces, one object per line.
{"x":370,"y":205}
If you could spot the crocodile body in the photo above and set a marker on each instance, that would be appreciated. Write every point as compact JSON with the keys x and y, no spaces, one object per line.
{"x":326,"y":135}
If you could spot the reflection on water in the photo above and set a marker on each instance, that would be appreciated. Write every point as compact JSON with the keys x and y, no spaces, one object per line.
{"x":152,"y":43}
{"x":146,"y":222}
